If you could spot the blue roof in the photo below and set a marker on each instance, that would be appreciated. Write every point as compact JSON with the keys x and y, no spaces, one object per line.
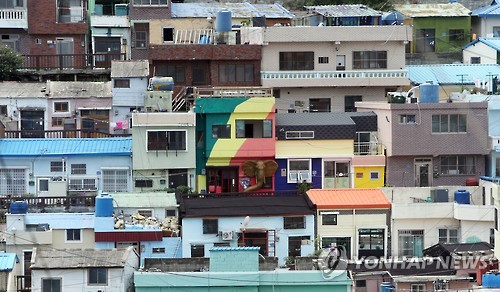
{"x":7,"y":261}
{"x":66,"y":146}
{"x":234,"y":248}
{"x":451,"y":74}
{"x":490,"y":42}
{"x":490,"y":10}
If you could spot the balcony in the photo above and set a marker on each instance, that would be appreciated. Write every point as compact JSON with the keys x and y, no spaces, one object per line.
{"x":14,"y":18}
{"x":23,"y":283}
{"x":70,"y":62}
{"x":368,"y":148}
{"x":60,"y":134}
{"x":334,"y":78}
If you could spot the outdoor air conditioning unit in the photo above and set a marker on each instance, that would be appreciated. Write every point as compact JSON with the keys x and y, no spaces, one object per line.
{"x":227,"y":235}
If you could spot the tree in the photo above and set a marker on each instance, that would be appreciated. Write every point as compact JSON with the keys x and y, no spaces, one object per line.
{"x":10,"y":61}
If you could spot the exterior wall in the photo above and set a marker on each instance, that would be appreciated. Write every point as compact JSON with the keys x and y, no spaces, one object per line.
{"x":59,"y":239}
{"x":14,"y":110}
{"x":487,"y":54}
{"x":486,"y":26}
{"x":281,"y":176}
{"x":156,"y":27}
{"x":452,"y":285}
{"x":132,"y":97}
{"x":193,"y":234}
{"x":362,"y":176}
{"x":123,"y":33}
{"x":442,"y":25}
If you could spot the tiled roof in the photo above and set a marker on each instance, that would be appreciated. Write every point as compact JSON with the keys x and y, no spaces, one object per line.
{"x":349,"y":198}
{"x":433,"y":10}
{"x":494,"y":43}
{"x":313,"y":119}
{"x":234,"y":248}
{"x":7,"y":261}
{"x":24,"y":90}
{"x":66,"y":146}
{"x":451,"y":73}
{"x":353,"y":10}
{"x":80,"y":258}
{"x":489,"y":10}
{"x":129,"y":68}
{"x":238,"y":10}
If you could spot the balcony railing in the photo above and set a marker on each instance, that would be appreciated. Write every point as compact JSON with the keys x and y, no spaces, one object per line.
{"x":13,"y":14}
{"x":333,"y":74}
{"x":60,"y":134}
{"x":368,"y":148}
{"x":69,"y":61}
{"x":288,"y":193}
{"x":42,"y":202}
{"x":23,"y":283}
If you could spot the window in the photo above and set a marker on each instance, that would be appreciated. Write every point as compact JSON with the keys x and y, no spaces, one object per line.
{"x":448,"y":235}
{"x":411,"y":243}
{"x":299,"y":135}
{"x":70,"y":11}
{"x":13,"y":181}
{"x":296,"y":222}
{"x":145,"y":212}
{"x":456,"y":123}
{"x":417,"y":288}
{"x":121,"y":83}
{"x":78,"y":168}
{"x":11,"y":41}
{"x":11,"y":3}
{"x":407,"y":119}
{"x":43,"y":185}
{"x":115,"y":180}
{"x":166,"y":140}
{"x":360,"y":283}
{"x":319,"y":105}
{"x":143,"y":183}
{"x":197,"y":250}
{"x":236,"y":72}
{"x":350,"y":102}
{"x":456,"y":35}
{"x":299,"y":170}
{"x":475,"y":60}
{"x":296,"y":60}
{"x":57,"y":166}
{"x":175,"y":71}
{"x":158,"y":250}
{"x":74,"y":235}
{"x":168,"y":34}
{"x":57,"y":122}
{"x":170,"y":213}
{"x":323,"y":60}
{"x":457,"y":164}
{"x":51,"y":285}
{"x":210,"y":226}
{"x":150,"y":2}
{"x":98,"y":276}
{"x":254,"y":128}
{"x":492,"y":237}
{"x":3,"y":110}
{"x":374,"y":175}
{"x":328,"y":218}
{"x":369,"y":60}
{"x":221,"y":131}
{"x":82,"y":184}
{"x":61,"y":107}
{"x":371,"y":242}
{"x":141,"y":39}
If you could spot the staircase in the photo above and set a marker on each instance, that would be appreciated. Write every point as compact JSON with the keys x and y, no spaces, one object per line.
{"x":183,"y":100}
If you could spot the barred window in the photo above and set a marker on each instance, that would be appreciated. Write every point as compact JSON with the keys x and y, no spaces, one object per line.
{"x":115,"y":180}
{"x":82,"y":184}
{"x":78,"y":168}
{"x":13,"y":181}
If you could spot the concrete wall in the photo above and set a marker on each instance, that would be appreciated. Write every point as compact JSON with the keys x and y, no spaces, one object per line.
{"x":487,"y":54}
{"x":198,"y":264}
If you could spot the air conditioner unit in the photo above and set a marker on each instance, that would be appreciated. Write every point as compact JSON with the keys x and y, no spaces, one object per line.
{"x":227,"y":235}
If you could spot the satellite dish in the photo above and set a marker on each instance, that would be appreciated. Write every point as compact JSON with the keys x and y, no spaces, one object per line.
{"x":246,"y":221}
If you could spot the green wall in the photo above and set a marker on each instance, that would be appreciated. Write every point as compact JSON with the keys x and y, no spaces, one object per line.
{"x":442,"y":25}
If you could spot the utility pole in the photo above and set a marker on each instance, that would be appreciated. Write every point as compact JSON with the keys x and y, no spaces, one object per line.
{"x":462,"y":80}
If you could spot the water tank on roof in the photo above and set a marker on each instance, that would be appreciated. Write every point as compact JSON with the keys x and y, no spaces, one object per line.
{"x":103,"y":205}
{"x":428,"y":92}
{"x":392,"y":18}
{"x":462,"y":197}
{"x":18,"y":207}
{"x":223,"y":21}
{"x":160,"y":83}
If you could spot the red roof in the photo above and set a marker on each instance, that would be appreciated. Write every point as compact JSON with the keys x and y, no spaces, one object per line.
{"x":349,"y":199}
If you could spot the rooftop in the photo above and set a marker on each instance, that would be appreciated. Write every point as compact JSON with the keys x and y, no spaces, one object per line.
{"x":433,"y":10}
{"x":349,"y":199}
{"x":23,"y":90}
{"x":144,"y":200}
{"x":238,"y":10}
{"x":129,"y":68}
{"x":7,"y":261}
{"x":353,"y":10}
{"x":489,"y":10}
{"x":451,"y":73}
{"x":490,"y":42}
{"x":79,"y":89}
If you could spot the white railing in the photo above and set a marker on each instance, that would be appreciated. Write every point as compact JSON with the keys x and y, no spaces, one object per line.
{"x":333,"y":74}
{"x":194,"y":36}
{"x":13,"y":14}
{"x":368,"y":148}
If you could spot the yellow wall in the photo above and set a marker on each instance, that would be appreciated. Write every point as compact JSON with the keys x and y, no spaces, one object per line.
{"x":201,"y":182}
{"x":156,"y":27}
{"x":59,"y":236}
{"x":314,"y":148}
{"x":362,"y":177}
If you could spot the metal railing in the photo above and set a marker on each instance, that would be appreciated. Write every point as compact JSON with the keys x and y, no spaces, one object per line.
{"x":23,"y":283}
{"x":13,"y":14}
{"x":334,"y":74}
{"x":368,"y":148}
{"x":41,"y":202}
{"x":233,"y":92}
{"x":69,"y":61}
{"x":60,"y":134}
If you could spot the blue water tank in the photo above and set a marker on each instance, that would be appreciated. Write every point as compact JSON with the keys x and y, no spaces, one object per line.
{"x":429,"y":92}
{"x":491,"y":280}
{"x":386,"y":287}
{"x":160,"y":83}
{"x":18,"y":207}
{"x":223,"y":21}
{"x":462,"y":196}
{"x":104,"y":205}
{"x":392,"y":18}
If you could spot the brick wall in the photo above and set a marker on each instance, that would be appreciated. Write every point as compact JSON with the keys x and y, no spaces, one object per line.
{"x":42,"y":19}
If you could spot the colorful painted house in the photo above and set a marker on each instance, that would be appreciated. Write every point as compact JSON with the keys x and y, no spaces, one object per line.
{"x":233,"y":127}
{"x":328,"y":150}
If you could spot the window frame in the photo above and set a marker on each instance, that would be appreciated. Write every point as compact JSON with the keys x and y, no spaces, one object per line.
{"x":98,"y":277}
{"x":448,"y":235}
{"x":294,"y":222}
{"x":299,"y":178}
{"x":158,"y":250}
{"x":61,"y":107}
{"x":456,"y":35}
{"x":329,"y":223}
{"x":143,"y":183}
{"x":417,"y":287}
{"x":142,"y":3}
{"x":462,"y":165}
{"x":449,"y":124}
{"x":13,"y":181}
{"x":78,"y":168}
{"x":267,"y":128}
{"x":168,"y":136}
{"x":200,"y":247}
{"x":141,"y":39}
{"x":407,"y":119}
{"x":57,"y":122}
{"x":409,"y":233}
{"x":363,"y":60}
{"x":230,"y":73}
{"x":323,"y":60}
{"x":221,"y":131}
{"x":299,"y":135}
{"x":296,"y":61}
{"x":73,"y":235}
{"x":372,"y":173}
{"x":115,"y":180}
{"x":167,"y":34}
{"x":210,"y":225}
{"x":52,"y":280}
{"x":121,"y":83}
{"x":57,"y":166}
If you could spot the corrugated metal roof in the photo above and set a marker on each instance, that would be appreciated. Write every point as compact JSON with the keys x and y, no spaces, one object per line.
{"x":348,"y":198}
{"x":234,"y":248}
{"x":313,"y":119}
{"x":66,"y":146}
{"x":238,"y":10}
{"x":7,"y":261}
{"x":433,"y":10}
{"x":122,"y":235}
{"x":79,"y":89}
{"x":490,"y":42}
{"x":144,"y":200}
{"x":80,"y":258}
{"x":22,"y":89}
{"x":451,"y":74}
{"x":130,"y":68}
{"x":490,"y":10}
{"x":354,"y":10}
{"x":62,"y":220}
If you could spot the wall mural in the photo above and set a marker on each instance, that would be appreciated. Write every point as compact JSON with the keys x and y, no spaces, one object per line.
{"x":260,"y":169}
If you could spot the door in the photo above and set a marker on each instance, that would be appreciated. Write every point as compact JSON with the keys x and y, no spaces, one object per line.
{"x":426,"y":41}
{"x":27,"y":270}
{"x":423,"y":172}
{"x":222,"y":179}
{"x":336,"y":174}
{"x":65,"y":49}
{"x":349,"y":102}
{"x":340,"y":62}
{"x":106,"y":50}
{"x":32,"y":124}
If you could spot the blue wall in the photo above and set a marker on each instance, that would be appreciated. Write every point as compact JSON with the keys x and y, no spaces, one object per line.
{"x":281,"y":181}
